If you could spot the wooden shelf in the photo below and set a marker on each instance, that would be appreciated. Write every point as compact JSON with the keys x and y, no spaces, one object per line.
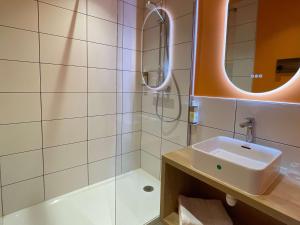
{"x":172,"y":219}
{"x":280,"y":205}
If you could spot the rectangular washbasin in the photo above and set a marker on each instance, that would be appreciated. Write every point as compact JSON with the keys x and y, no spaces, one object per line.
{"x":247,"y":166}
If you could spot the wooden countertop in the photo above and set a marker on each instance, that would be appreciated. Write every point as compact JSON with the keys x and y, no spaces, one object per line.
{"x":281,"y":201}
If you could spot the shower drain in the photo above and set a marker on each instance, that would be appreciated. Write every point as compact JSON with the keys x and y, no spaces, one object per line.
{"x":148,"y":188}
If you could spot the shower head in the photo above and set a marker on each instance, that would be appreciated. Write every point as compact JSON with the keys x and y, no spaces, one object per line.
{"x":152,"y":7}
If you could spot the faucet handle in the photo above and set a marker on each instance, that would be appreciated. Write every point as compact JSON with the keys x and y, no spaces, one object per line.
{"x":250,"y":119}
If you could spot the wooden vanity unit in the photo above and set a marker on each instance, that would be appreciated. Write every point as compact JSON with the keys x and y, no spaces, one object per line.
{"x":279,"y":205}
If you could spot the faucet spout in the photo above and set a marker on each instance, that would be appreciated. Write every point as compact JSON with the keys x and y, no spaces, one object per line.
{"x":249,"y":124}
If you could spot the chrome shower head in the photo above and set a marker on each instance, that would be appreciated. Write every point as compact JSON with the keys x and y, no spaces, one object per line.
{"x":152,"y":7}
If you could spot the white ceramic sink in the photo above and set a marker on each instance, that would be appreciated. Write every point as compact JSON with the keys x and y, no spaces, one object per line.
{"x":249,"y":167}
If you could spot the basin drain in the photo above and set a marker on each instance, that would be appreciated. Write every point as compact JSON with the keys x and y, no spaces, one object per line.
{"x":148,"y":188}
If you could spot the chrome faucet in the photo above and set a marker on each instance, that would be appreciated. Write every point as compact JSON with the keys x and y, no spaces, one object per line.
{"x":249,"y":124}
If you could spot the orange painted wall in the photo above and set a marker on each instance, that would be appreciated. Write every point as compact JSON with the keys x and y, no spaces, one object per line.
{"x":278,"y":37}
{"x":210,"y":77}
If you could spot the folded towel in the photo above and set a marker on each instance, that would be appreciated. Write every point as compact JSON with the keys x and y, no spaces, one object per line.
{"x":196,"y":211}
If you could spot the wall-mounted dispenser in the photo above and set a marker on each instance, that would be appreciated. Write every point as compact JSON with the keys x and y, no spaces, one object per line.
{"x":194,"y":111}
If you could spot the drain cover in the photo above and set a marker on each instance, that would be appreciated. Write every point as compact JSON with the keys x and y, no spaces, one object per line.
{"x":148,"y":188}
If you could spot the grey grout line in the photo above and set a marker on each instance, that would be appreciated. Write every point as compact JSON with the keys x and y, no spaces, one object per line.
{"x":148,"y":153}
{"x":87,"y":97}
{"x":41,"y":99}
{"x":69,"y":168}
{"x":28,"y":179}
{"x":174,"y":45}
{"x":56,"y":64}
{"x":241,"y":24}
{"x":116,"y":102}
{"x":167,"y":117}
{"x":107,"y":20}
{"x":1,"y":191}
{"x":235,"y":115}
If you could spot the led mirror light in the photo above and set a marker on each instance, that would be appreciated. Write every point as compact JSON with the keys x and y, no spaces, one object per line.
{"x":284,"y":66}
{"x":158,"y":76}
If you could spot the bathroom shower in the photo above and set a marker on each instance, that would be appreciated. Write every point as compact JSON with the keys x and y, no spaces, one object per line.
{"x":158,"y":75}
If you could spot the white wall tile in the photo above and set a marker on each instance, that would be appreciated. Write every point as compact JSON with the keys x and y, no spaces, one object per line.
{"x":75,"y":5}
{"x":58,"y":132}
{"x":102,"y":80}
{"x":131,"y":60}
{"x":64,"y":105}
{"x":151,"y":124}
{"x":62,"y":22}
{"x":23,"y":107}
{"x":183,"y":29}
{"x":57,"y":78}
{"x":168,"y":146}
{"x":102,"y":170}
{"x":24,"y":16}
{"x":183,"y":79}
{"x":137,"y":3}
{"x":22,"y":137}
{"x":289,"y":153}
{"x":131,"y":38}
{"x":273,"y":121}
{"x":102,"y":126}
{"x":102,"y":148}
{"x":102,"y":31}
{"x":22,"y":166}
{"x":68,"y":180}
{"x":21,"y":195}
{"x":151,"y":164}
{"x":131,"y":122}
{"x":105,"y":9}
{"x":171,"y":107}
{"x":59,"y":50}
{"x":175,"y":132}
{"x":182,"y":58}
{"x":132,"y":81}
{"x":150,"y":101}
{"x":177,"y":9}
{"x":64,"y":157}
{"x":19,"y":77}
{"x":101,"y":103}
{"x":151,"y":144}
{"x":132,"y":102}
{"x":131,"y":142}
{"x":102,"y":56}
{"x":19,"y":45}
{"x":119,"y":59}
{"x":132,"y":16}
{"x":131,"y":161}
{"x":201,"y":133}
{"x":217,"y":113}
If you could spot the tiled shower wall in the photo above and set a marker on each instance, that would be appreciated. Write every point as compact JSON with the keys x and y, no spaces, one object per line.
{"x":69,"y":90}
{"x":159,"y":136}
{"x":276,"y":124}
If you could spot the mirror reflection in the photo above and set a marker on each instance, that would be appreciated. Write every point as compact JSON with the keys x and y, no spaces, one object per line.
{"x":263,"y":43}
{"x":155,"y":47}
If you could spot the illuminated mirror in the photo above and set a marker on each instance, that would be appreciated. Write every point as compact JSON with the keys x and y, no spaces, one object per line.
{"x":156,"y":48}
{"x":263,"y":43}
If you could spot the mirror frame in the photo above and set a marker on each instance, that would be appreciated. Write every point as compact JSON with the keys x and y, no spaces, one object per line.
{"x":166,"y":82}
{"x":282,"y":87}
